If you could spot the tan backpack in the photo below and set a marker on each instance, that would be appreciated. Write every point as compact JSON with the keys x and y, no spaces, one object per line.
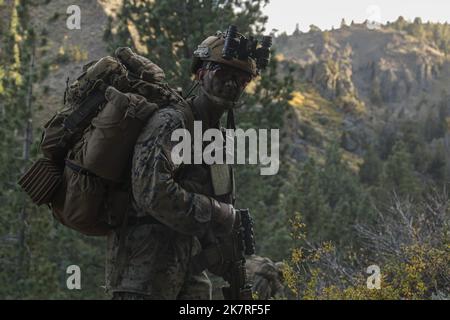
{"x":87,"y":147}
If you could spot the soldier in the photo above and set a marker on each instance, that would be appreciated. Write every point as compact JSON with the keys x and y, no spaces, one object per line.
{"x":174,"y":208}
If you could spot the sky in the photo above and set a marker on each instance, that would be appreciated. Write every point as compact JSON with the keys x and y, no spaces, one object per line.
{"x":285,"y":14}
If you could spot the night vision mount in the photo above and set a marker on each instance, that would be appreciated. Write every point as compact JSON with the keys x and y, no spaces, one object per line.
{"x":239,"y":47}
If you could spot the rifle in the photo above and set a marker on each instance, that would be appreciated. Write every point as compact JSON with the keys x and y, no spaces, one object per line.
{"x":242,"y":243}
{"x":225,"y":256}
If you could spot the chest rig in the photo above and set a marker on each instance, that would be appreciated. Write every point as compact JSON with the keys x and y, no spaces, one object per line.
{"x":215,"y":180}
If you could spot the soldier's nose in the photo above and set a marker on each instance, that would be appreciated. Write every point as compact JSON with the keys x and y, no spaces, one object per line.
{"x":231,"y":83}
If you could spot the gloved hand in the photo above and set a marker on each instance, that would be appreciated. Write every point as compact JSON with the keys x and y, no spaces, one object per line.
{"x":140,"y":66}
{"x":223,"y":218}
{"x":215,"y":254}
{"x":146,"y":78}
{"x":219,"y":248}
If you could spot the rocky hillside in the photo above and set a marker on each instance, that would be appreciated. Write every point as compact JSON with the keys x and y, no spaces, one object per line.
{"x":62,"y":52}
{"x":356,"y":61}
{"x":354,"y":81}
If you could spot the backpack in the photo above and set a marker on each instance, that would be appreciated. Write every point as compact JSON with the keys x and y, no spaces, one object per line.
{"x":87,"y":147}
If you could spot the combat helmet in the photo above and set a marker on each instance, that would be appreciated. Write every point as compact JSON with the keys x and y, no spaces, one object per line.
{"x":235,"y":50}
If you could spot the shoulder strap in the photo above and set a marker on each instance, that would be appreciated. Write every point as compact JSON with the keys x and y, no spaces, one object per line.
{"x":121,"y":257}
{"x":87,"y":109}
{"x":184,"y":107}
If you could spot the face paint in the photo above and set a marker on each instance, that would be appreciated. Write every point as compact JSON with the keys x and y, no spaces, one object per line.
{"x":225,"y":73}
{"x":226,"y":82}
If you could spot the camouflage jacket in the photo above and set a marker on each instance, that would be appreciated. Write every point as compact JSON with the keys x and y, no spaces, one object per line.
{"x":181,"y":197}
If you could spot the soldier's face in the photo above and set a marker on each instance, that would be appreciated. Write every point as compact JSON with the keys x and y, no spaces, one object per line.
{"x":225,"y":82}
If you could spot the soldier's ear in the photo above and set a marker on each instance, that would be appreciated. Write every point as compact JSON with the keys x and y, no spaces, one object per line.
{"x":200,"y":74}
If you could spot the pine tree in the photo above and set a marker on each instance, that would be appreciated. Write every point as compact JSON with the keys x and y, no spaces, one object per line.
{"x":416,"y":29}
{"x":331,"y":200}
{"x":398,"y":174}
{"x":313,"y":28}
{"x":170,"y":30}
{"x":346,"y":197}
{"x":297,"y":31}
{"x":371,"y":168}
{"x":313,"y":201}
{"x":439,"y":165}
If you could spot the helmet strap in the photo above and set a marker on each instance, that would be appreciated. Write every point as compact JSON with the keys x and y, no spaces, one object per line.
{"x":191,"y":89}
{"x":230,"y":120}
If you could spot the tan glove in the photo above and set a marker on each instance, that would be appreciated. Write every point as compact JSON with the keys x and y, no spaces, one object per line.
{"x":139,"y":65}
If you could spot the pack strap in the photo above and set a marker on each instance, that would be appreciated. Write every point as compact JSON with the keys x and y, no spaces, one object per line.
{"x":122,"y":255}
{"x":87,"y":109}
{"x":230,"y":120}
{"x":79,"y":169}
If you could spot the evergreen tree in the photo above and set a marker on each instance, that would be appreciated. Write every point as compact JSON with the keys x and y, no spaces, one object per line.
{"x":170,"y":30}
{"x":371,"y":168}
{"x":297,"y":31}
{"x":399,"y":174}
{"x":313,"y":28}
{"x":331,"y":200}
{"x":349,"y":202}
{"x":313,"y":202}
{"x":439,"y":165}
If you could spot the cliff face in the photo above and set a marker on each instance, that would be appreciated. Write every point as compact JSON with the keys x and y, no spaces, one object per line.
{"x":363,"y":62}
{"x":360,"y":80}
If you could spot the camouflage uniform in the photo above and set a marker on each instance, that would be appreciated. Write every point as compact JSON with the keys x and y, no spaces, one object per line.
{"x":157,"y":256}
{"x":266,"y":276}
{"x":153,"y":261}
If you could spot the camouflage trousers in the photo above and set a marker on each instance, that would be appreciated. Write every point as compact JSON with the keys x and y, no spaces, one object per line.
{"x":195,"y":288}
{"x":157,"y":266}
